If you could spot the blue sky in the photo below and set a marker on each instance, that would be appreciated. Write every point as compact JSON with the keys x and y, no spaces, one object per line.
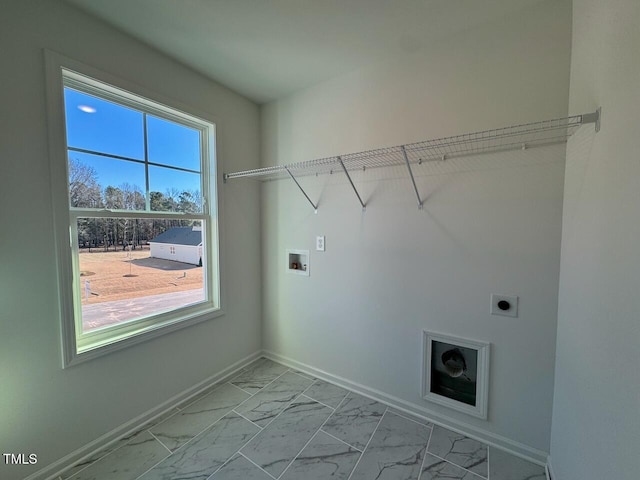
{"x":110,"y":128}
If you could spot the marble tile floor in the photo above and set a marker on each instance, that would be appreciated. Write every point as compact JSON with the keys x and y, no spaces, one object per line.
{"x":271,"y":422}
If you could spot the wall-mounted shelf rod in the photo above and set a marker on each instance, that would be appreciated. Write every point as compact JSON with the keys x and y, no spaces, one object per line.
{"x":415,"y":155}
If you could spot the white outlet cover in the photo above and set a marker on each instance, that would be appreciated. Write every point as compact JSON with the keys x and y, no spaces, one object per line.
{"x":512,"y":311}
{"x":320,"y":243}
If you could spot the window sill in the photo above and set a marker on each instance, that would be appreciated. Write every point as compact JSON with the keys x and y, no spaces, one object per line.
{"x":91,"y":351}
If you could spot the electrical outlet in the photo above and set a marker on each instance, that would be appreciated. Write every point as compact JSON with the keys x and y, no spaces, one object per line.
{"x":506,"y":305}
{"x":320,"y":243}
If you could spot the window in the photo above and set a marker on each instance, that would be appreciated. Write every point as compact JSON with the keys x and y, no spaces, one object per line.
{"x":138,"y":202}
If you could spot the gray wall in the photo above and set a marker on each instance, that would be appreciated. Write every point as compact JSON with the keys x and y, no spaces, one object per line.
{"x":47,"y":410}
{"x":596,"y":408}
{"x":491,"y":224}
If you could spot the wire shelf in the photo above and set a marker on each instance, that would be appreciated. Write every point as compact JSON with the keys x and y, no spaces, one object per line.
{"x":529,"y":135}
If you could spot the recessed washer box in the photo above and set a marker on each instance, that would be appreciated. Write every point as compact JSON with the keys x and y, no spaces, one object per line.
{"x":298,"y":262}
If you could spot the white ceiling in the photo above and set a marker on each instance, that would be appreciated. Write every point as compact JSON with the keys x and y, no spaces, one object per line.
{"x":268,"y":49}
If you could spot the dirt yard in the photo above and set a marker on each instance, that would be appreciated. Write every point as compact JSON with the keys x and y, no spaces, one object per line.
{"x":120,"y":275}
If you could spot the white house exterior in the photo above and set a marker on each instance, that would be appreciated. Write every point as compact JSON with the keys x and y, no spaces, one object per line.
{"x":180,"y":244}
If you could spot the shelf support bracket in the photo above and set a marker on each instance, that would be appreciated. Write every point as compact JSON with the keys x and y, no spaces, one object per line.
{"x":364,"y":207}
{"x":413,"y":180}
{"x":593,"y":118}
{"x":315,"y":207}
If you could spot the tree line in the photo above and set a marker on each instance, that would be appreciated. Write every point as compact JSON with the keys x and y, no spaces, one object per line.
{"x":106,"y":233}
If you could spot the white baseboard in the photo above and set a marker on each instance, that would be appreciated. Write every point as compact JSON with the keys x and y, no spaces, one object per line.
{"x":57,"y":468}
{"x":548,"y":469}
{"x":54,"y":470}
{"x":516,"y":448}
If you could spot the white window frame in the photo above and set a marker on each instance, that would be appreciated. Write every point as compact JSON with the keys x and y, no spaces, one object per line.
{"x":76,"y":346}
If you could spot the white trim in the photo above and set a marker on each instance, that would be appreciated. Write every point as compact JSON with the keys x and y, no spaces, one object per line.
{"x":57,"y":468}
{"x":482,"y":373}
{"x":511,"y":446}
{"x":187,"y":319}
{"x":548,"y":470}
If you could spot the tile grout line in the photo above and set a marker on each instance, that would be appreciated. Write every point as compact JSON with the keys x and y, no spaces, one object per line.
{"x":199,"y":396}
{"x":210,"y":426}
{"x":304,"y":392}
{"x":261,"y":390}
{"x":210,"y":389}
{"x":160,"y":442}
{"x":133,"y":434}
{"x":251,"y":395}
{"x":251,"y":421}
{"x":301,"y":373}
{"x":336,"y":409}
{"x":270,"y":422}
{"x":283,"y":410}
{"x":131,"y":437}
{"x":221,"y":466}
{"x":83,"y":468}
{"x":398,"y":413}
{"x":426,"y":448}
{"x":151,"y":468}
{"x":313,"y":381}
{"x":228,"y":460}
{"x":88,"y":464}
{"x":233,"y":455}
{"x":303,"y":376}
{"x":179,"y":410}
{"x":461,"y":468}
{"x":365,"y":447}
{"x":201,"y":431}
{"x":242,"y":389}
{"x":254,"y":463}
{"x":332,"y":408}
{"x":455,"y":464}
{"x":318,"y":401}
{"x":312,"y":436}
{"x":288,"y":403}
{"x":159,"y":423}
{"x":347,"y":444}
{"x":238,"y":452}
{"x":189,"y":441}
{"x":298,"y":454}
